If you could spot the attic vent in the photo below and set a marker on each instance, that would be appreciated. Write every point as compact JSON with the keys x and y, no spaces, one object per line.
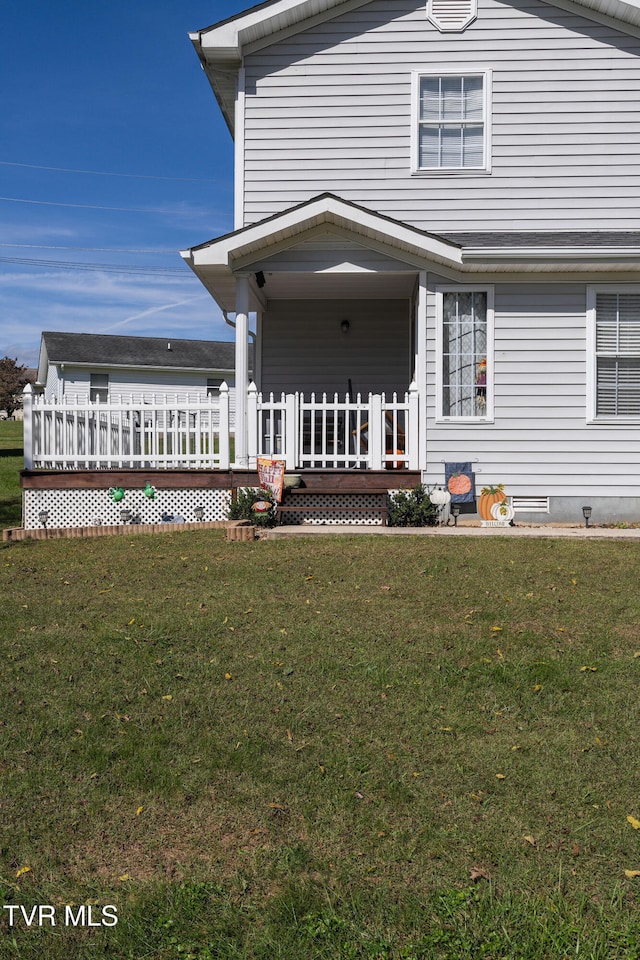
{"x":451,"y":14}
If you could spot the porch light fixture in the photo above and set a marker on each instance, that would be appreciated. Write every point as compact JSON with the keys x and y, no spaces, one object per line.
{"x":344,"y":326}
{"x":586,"y":513}
{"x":199,"y":512}
{"x":260,"y":280}
{"x":43,"y":517}
{"x":125,"y":515}
{"x":455,"y":513}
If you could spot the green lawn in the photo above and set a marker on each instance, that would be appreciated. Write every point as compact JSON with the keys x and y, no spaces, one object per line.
{"x":388,"y":748}
{"x":11,"y":462}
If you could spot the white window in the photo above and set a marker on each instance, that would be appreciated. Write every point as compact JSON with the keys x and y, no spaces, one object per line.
{"x":99,"y":387}
{"x":464,"y":372}
{"x":614,"y":354}
{"x":451,"y":122}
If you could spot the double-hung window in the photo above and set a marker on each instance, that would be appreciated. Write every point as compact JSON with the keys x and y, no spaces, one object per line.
{"x":464,"y":372}
{"x":451,"y":123}
{"x":614,"y":354}
{"x":99,"y":387}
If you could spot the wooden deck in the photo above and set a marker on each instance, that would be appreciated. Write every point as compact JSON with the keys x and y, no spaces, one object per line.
{"x":313,"y":481}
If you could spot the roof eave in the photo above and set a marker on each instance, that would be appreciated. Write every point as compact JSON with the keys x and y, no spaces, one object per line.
{"x":551,"y":259}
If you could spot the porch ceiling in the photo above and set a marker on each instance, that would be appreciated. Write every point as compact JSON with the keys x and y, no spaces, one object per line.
{"x":311,"y":286}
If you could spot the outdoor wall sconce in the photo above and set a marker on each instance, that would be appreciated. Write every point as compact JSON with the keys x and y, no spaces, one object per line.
{"x":455,"y":513}
{"x":125,"y":515}
{"x":43,"y":517}
{"x":199,"y":512}
{"x":344,"y":326}
{"x":586,"y":513}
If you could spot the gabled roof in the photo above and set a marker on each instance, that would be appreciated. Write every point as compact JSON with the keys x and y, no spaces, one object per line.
{"x":218,"y":262}
{"x":103,"y":350}
{"x":221,"y":46}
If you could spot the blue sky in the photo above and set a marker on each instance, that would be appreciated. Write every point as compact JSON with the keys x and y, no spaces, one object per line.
{"x":113,"y":157}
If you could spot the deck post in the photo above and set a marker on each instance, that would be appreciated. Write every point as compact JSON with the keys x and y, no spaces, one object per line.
{"x":413,"y":431}
{"x":252,"y":424}
{"x":223,"y":442}
{"x":27,"y":407}
{"x":376,"y":432}
{"x":242,"y":367}
{"x":291,"y":408}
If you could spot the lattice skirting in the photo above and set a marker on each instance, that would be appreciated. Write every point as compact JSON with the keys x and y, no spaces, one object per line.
{"x":359,"y":512}
{"x":87,"y":507}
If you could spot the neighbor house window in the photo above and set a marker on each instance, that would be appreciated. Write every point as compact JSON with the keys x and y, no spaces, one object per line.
{"x":213,"y":386}
{"x":451,"y":122}
{"x":99,"y":388}
{"x":614,"y":360}
{"x":465,"y":353}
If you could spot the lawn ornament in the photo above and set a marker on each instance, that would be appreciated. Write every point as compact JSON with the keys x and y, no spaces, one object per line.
{"x":262,"y":506}
{"x":489,"y":496}
{"x":150,"y":492}
{"x":440,"y":497}
{"x":116,"y":494}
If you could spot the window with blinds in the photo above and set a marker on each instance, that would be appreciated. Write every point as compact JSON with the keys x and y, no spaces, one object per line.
{"x":617,"y":347}
{"x":451,"y":123}
{"x":466,"y":348}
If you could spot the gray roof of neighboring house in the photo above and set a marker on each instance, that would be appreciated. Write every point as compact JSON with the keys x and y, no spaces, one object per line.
{"x":122,"y":351}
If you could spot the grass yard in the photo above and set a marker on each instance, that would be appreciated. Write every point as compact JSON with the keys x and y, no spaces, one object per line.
{"x":11,"y":462}
{"x":333,"y":749}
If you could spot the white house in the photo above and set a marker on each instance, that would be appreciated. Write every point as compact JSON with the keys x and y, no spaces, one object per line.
{"x":87,"y":366}
{"x":444,"y":194}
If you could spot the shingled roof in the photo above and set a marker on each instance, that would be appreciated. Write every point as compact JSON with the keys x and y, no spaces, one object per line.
{"x":92,"y":349}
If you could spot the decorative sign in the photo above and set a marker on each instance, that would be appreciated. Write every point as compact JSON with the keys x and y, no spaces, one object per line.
{"x":271,"y":476}
{"x":262,"y":506}
{"x":460,"y":482}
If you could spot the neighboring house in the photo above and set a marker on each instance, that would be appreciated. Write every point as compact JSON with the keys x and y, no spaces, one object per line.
{"x":445,"y":193}
{"x":102,"y":367}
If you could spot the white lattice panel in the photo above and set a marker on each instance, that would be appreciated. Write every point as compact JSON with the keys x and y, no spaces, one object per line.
{"x":82,"y":508}
{"x":360,"y":505}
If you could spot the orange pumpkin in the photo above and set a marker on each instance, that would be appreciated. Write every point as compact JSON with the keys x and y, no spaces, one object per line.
{"x":459,"y":483}
{"x":488,"y":497}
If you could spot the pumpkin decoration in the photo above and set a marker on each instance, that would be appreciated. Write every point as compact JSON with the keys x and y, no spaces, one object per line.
{"x":459,"y":484}
{"x":503,"y":511}
{"x":440,"y":497}
{"x":489,"y":496}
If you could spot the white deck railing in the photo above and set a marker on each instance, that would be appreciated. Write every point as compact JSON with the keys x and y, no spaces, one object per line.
{"x":371,"y":433}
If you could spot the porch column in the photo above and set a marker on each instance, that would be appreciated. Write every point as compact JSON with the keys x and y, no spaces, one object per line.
{"x":242,"y":368}
{"x":420,"y":374}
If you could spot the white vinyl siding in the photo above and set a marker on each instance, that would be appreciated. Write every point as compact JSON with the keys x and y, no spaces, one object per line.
{"x":614,"y":364}
{"x":465,"y":353}
{"x":330,"y":108}
{"x":539,"y":443}
{"x":451,"y":122}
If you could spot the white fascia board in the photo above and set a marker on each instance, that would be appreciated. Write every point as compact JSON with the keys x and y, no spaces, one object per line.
{"x":226,"y":40}
{"x":289,"y":225}
{"x":553,"y":257}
